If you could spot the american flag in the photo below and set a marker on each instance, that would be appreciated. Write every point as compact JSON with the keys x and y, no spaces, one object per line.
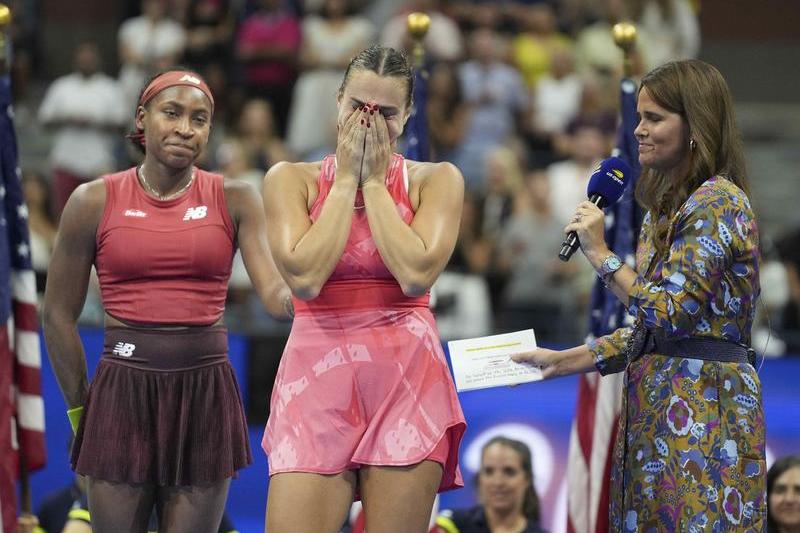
{"x":21,"y":405}
{"x":599,"y":398}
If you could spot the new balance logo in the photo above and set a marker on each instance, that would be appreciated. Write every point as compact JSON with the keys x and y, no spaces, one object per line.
{"x":190,"y":78}
{"x":135,"y":213}
{"x":123,"y":349}
{"x":196,"y":213}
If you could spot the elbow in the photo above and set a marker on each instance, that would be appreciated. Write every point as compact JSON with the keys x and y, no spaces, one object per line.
{"x":304,"y":288}
{"x":414,"y":290}
{"x":49,"y":316}
{"x":416,"y":286}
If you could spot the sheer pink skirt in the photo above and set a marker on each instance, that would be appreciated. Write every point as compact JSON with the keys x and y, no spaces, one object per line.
{"x":366,"y":386}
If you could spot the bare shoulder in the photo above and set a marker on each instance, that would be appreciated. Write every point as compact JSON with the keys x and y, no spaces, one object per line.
{"x":420,"y":173}
{"x":83,"y":213}
{"x":293,"y":172}
{"x":292,"y":179}
{"x":87,"y":202}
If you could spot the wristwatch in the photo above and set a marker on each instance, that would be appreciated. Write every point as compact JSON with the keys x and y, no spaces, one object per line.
{"x":610,"y":264}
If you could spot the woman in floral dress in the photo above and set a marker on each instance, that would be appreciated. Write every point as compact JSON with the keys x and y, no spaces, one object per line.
{"x":689,"y":454}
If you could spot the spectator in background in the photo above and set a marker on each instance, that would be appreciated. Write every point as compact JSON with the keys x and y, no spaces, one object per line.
{"x":148,"y":43}
{"x":443,"y":41}
{"x":507,"y":496}
{"x":498,"y":99}
{"x":503,"y":182}
{"x":789,"y":251}
{"x":448,"y":113}
{"x":672,"y":28}
{"x":569,"y":178}
{"x":541,"y":289}
{"x":268,"y":44}
{"x":783,"y":495}
{"x":473,"y":250}
{"x":256,"y":135}
{"x":596,"y":52}
{"x":209,"y":31}
{"x":556,"y":101}
{"x":473,"y":15}
{"x":330,"y":40}
{"x":598,"y":106}
{"x":42,"y":229}
{"x":86,"y":112}
{"x":533,"y":48}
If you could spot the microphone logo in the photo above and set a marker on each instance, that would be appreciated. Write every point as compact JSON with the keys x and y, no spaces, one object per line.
{"x":616,"y":175}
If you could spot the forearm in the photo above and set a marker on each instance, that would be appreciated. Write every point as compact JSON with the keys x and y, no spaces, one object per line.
{"x":277,"y":299}
{"x":577,"y":360}
{"x":621,"y":281}
{"x":66,"y":354}
{"x":402,"y":250}
{"x":310,"y":262}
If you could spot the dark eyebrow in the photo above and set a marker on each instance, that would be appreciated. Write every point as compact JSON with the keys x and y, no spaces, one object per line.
{"x":181,"y":107}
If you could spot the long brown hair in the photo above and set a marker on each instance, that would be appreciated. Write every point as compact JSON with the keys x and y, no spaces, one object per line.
{"x":698,"y":93}
{"x":530,"y":502}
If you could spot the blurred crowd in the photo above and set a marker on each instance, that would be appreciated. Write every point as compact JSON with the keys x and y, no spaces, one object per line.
{"x":522,"y":97}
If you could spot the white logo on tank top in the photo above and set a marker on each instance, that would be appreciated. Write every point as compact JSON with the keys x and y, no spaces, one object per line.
{"x":195,"y":213}
{"x":135,"y":213}
{"x":123,"y":349}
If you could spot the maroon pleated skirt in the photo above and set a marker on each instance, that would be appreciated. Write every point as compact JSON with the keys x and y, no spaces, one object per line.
{"x":163,"y":408}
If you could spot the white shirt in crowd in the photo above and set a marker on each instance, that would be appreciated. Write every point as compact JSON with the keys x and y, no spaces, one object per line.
{"x":91,"y":107}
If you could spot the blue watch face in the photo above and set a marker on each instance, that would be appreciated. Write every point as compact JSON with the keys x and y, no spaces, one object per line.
{"x":612,"y":263}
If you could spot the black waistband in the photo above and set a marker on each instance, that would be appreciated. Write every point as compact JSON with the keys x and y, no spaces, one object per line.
{"x":705,"y":348}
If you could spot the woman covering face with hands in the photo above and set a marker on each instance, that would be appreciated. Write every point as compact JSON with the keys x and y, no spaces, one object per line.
{"x":363,"y":404}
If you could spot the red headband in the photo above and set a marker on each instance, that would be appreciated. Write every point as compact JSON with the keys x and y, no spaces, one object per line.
{"x":173,"y":78}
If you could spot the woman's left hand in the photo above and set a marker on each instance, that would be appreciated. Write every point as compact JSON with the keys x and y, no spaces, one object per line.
{"x":589,"y":223}
{"x":377,"y":149}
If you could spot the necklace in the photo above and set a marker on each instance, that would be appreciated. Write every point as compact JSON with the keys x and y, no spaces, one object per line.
{"x":152,"y":191}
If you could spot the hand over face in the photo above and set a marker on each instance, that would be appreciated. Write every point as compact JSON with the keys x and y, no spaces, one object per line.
{"x":350,"y":146}
{"x":377,"y":147}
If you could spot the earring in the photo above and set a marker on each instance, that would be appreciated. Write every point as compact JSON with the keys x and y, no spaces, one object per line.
{"x":692,"y":144}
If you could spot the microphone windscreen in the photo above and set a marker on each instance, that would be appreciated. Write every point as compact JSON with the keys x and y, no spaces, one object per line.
{"x":609,"y":179}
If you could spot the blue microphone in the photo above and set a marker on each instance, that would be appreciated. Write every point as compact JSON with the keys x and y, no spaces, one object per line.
{"x":605,"y":188}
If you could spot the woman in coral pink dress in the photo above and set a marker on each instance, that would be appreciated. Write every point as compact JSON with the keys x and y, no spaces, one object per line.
{"x":363,"y":404}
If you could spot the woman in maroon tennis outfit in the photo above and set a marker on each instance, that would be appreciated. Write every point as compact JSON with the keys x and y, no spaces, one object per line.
{"x":162,"y":423}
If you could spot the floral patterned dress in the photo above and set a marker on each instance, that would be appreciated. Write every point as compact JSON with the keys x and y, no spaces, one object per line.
{"x":689,"y":455}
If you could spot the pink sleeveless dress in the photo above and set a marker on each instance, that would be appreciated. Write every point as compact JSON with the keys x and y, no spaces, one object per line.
{"x":363,"y":379}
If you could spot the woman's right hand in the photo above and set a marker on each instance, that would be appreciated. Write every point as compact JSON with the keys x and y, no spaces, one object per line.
{"x":542,"y":358}
{"x":350,"y":148}
{"x":555,"y":363}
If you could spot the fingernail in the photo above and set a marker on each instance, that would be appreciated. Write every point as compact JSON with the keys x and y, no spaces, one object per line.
{"x":368,"y":124}
{"x":362,"y":121}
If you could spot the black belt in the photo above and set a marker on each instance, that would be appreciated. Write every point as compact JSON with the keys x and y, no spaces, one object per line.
{"x":705,"y":348}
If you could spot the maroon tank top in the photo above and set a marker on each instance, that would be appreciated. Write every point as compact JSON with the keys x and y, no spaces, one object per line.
{"x":165,"y":261}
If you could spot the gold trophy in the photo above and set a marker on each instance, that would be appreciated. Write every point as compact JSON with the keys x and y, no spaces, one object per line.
{"x":5,"y":20}
{"x":418,"y":25}
{"x":624,"y":34}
